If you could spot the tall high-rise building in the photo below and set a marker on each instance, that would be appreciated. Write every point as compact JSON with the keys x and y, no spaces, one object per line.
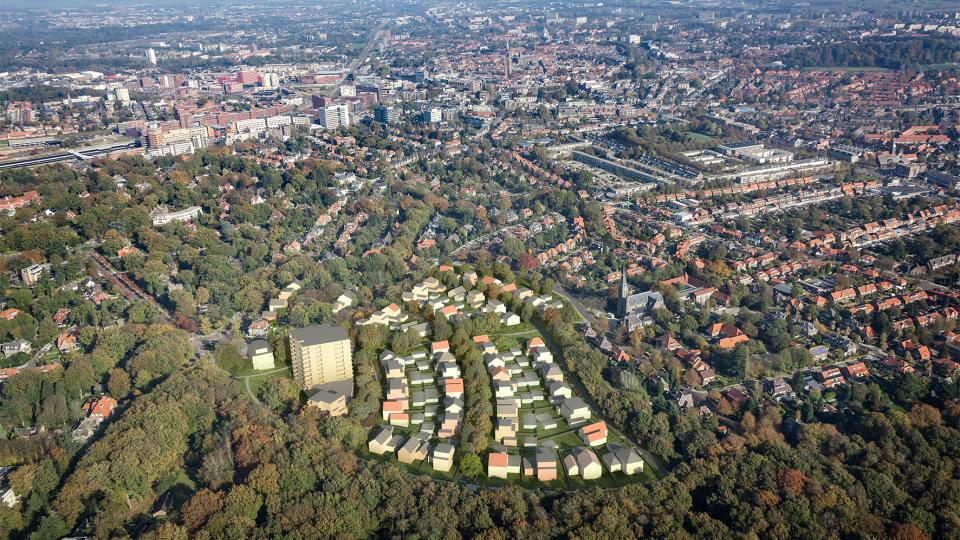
{"x":320,"y":354}
{"x":334,"y":116}
{"x":152,"y":57}
{"x":386,"y":114}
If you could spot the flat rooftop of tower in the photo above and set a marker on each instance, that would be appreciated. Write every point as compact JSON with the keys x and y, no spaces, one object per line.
{"x":318,"y":334}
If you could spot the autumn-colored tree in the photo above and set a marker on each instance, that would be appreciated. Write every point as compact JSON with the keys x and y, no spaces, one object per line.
{"x":119,"y":383}
{"x":792,"y":481}
{"x":202,"y":505}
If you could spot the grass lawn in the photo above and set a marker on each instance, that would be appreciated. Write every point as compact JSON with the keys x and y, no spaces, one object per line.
{"x":522,"y":328}
{"x":531,"y":482}
{"x":232,"y":360}
{"x":417,"y":467}
{"x":237,"y":370}
{"x":182,"y":489}
{"x":940,"y":67}
{"x":567,"y":440}
{"x":701,"y":137}
{"x":506,"y":342}
{"x":511,"y":480}
{"x":258,"y":380}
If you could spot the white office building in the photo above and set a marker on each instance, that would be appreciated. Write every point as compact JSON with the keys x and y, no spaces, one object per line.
{"x":433,"y":116}
{"x":334,"y":116}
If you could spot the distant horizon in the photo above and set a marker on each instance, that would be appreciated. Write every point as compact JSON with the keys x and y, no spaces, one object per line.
{"x":73,"y":4}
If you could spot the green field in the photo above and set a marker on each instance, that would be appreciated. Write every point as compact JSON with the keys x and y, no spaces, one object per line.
{"x":700,"y":137}
{"x":257,"y":380}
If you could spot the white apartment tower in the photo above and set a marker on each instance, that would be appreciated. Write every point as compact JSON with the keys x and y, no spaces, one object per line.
{"x":334,"y":116}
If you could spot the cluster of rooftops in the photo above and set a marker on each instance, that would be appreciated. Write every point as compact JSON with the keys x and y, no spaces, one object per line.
{"x":424,"y":409}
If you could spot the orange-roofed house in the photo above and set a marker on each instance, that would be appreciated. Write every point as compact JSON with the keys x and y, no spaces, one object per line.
{"x":838,"y":296}
{"x":497,"y":465}
{"x":889,"y":303}
{"x":733,"y":341}
{"x":488,"y":280}
{"x":439,"y":346}
{"x":594,"y":434}
{"x":500,"y":373}
{"x":500,"y":464}
{"x":61,"y":315}
{"x":667,"y":341}
{"x":867,"y":289}
{"x":856,"y":371}
{"x":726,"y":331}
{"x":453,"y":387}
{"x":66,"y":343}
{"x":393,"y":407}
{"x":535,"y":342}
{"x":101,"y":408}
{"x":9,"y":314}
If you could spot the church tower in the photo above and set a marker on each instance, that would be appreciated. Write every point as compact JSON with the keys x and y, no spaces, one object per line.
{"x":622,"y":293}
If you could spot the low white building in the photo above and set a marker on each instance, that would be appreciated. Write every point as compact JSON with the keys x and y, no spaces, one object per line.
{"x":260,"y":355}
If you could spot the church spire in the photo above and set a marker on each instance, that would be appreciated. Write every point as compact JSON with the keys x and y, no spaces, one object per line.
{"x":623,"y":292}
{"x":624,"y":286}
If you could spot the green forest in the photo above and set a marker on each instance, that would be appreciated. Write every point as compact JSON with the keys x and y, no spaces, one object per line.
{"x":192,"y":456}
{"x":899,"y":53}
